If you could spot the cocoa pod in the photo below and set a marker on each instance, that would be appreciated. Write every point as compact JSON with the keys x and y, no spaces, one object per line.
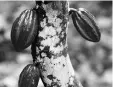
{"x":85,"y":24}
{"x":29,"y":77}
{"x":24,"y":29}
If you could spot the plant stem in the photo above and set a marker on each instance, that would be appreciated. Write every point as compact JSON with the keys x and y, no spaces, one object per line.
{"x":50,"y":49}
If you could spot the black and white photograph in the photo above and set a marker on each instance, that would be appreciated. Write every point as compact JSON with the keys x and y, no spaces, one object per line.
{"x":56,"y":43}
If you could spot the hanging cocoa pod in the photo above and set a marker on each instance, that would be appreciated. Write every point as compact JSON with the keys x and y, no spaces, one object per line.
{"x":29,"y":77}
{"x":85,"y":24}
{"x":24,"y":29}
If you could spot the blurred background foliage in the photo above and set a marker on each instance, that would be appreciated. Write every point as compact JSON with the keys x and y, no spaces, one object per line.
{"x":91,"y":61}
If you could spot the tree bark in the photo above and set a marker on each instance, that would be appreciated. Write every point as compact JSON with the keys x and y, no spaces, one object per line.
{"x":50,"y":49}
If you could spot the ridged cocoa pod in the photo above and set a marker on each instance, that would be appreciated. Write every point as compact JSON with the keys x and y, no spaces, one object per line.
{"x":29,"y":77}
{"x":24,"y":29}
{"x":85,"y":24}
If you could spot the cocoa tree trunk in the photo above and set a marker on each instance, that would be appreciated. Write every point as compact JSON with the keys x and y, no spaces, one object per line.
{"x":49,"y":50}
